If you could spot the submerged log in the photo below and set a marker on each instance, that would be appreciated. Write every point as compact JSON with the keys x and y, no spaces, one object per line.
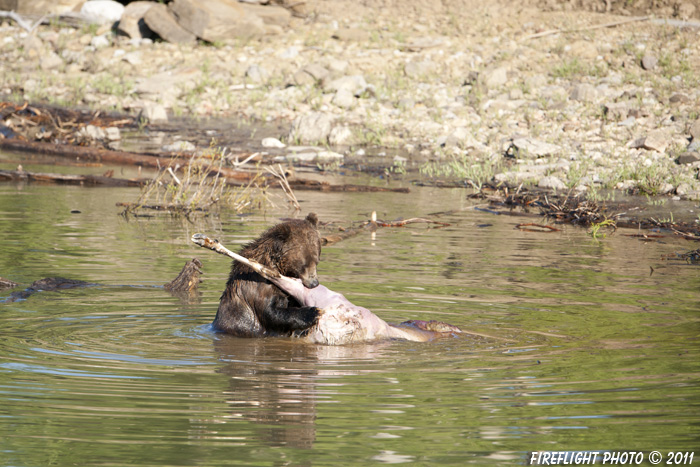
{"x":47,"y":285}
{"x":301,"y":184}
{"x":22,"y":175}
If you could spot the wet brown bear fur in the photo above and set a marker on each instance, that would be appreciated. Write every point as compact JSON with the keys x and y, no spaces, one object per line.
{"x":252,"y":306}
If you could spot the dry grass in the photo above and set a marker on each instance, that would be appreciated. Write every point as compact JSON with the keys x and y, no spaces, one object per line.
{"x":198,"y":189}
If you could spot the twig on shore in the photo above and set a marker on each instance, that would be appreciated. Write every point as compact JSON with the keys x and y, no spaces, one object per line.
{"x":588,"y":28}
{"x":20,"y":21}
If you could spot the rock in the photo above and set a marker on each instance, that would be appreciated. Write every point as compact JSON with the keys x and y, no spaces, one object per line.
{"x":628,"y":122}
{"x":302,"y":78}
{"x":133,"y":58}
{"x":656,"y":140}
{"x":179,"y":146}
{"x":313,"y":127}
{"x":584,"y":49}
{"x":167,"y":86}
{"x":92,"y":133}
{"x":688,"y":157}
{"x":344,"y":98}
{"x":415,"y":69}
{"x":356,"y":84}
{"x":100,"y":42}
{"x":616,"y":110}
{"x":321,"y":156}
{"x":535,"y":82}
{"x":272,"y":143}
{"x":695,"y":130}
{"x":678,"y":98}
{"x":132,"y":23}
{"x":554,"y":93}
{"x":533,"y":147}
{"x":352,"y":34}
{"x":495,"y":78}
{"x":317,"y":72}
{"x":584,"y":92}
{"x":683,"y":189}
{"x":551,"y":182}
{"x":270,"y":14}
{"x":405,"y":103}
{"x":462,"y":138}
{"x":310,"y":74}
{"x":337,"y":66}
{"x":217,"y":20}
{"x":649,"y":62}
{"x":666,"y":188}
{"x":517,"y":177}
{"x":515,"y":94}
{"x":289,"y":53}
{"x":257,"y":74}
{"x":341,"y":136}
{"x":50,"y":62}
{"x":33,"y":47}
{"x":685,"y":10}
{"x":160,"y":20}
{"x":112,"y":133}
{"x":102,"y":11}
{"x":153,"y":113}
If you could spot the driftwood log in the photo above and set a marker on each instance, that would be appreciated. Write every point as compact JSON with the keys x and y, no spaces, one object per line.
{"x":189,"y":278}
{"x":87,"y":153}
{"x":101,"y":180}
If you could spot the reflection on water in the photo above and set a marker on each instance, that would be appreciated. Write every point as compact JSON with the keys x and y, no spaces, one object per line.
{"x":575,"y":345}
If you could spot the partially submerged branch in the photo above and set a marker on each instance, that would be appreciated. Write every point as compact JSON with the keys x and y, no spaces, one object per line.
{"x":372,"y":225}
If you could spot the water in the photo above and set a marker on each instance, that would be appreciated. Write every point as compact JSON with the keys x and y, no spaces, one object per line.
{"x":584,"y":347}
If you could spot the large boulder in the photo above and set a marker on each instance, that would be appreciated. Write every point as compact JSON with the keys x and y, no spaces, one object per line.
{"x":312,"y":128}
{"x":102,"y":11}
{"x":132,"y":23}
{"x":159,"y":19}
{"x":217,"y":20}
{"x":269,"y":14}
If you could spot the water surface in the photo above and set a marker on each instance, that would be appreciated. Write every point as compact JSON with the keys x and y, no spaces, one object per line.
{"x":580,"y":346}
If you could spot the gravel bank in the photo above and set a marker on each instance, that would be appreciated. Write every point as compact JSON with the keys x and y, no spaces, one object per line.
{"x":471,"y":93}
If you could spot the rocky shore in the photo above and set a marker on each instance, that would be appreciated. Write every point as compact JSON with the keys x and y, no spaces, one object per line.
{"x":475,"y":91}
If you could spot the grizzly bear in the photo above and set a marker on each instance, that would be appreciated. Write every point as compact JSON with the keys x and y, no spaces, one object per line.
{"x":252,"y":306}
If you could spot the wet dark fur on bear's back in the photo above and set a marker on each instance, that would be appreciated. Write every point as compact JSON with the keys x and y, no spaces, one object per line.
{"x":251,"y":306}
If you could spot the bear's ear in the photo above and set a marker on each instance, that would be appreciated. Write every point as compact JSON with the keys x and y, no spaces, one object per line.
{"x":312,"y":219}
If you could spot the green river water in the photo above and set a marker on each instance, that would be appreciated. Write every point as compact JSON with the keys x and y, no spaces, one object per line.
{"x":588,"y":349}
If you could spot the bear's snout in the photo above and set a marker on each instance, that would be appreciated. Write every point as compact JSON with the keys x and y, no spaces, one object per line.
{"x":310,"y":282}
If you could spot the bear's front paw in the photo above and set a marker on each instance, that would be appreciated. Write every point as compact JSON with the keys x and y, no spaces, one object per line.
{"x":314,"y":315}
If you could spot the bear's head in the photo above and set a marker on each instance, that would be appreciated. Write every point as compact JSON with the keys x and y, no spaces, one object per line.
{"x":293,"y":248}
